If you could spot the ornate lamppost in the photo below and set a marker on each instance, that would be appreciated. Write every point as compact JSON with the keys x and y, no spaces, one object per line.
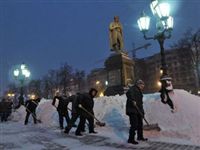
{"x":21,"y":74}
{"x":164,"y":26}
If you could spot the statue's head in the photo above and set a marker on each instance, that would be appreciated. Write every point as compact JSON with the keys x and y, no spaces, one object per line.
{"x":116,"y":18}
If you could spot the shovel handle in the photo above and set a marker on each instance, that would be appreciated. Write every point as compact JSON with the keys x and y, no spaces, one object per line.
{"x":89,"y":113}
{"x":141,"y":114}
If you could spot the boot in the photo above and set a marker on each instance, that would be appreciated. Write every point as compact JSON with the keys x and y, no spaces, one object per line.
{"x":93,"y":132}
{"x":142,"y":139}
{"x":66,"y":131}
{"x":133,"y":142}
{"x":78,"y":134}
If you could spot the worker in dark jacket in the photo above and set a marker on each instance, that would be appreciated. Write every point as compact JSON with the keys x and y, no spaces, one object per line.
{"x":74,"y":113}
{"x":5,"y":109}
{"x":62,"y":109}
{"x":31,"y":106}
{"x":134,"y":98}
{"x":85,"y":101}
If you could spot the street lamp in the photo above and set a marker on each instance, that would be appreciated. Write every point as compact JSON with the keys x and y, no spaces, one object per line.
{"x":21,"y":74}
{"x":164,"y":26}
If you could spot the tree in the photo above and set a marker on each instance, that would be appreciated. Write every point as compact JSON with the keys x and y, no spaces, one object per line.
{"x":45,"y":87}
{"x":50,"y":84}
{"x":191,"y":41}
{"x":79,"y":78}
{"x":195,"y":52}
{"x":65,"y":75}
{"x":34,"y":87}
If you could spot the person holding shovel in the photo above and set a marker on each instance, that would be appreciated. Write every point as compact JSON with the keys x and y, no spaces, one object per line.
{"x":62,"y":109}
{"x":31,"y":106}
{"x":84,"y":107}
{"x":135,"y":111}
{"x":75,"y":115}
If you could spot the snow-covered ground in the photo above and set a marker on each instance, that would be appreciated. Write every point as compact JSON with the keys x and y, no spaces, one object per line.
{"x":182,"y":127}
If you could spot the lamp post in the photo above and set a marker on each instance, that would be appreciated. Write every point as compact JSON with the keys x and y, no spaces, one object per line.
{"x":21,"y":74}
{"x":164,"y":26}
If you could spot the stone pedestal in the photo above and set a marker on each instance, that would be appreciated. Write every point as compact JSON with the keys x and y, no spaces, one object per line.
{"x":120,"y":72}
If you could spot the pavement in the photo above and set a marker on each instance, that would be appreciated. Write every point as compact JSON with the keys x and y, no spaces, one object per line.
{"x":18,"y":137}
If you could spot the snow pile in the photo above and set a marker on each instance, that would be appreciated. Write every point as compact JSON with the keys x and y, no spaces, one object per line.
{"x":45,"y":112}
{"x":183,"y":124}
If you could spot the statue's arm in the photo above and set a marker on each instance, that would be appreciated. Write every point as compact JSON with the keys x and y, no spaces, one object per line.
{"x":112,"y":26}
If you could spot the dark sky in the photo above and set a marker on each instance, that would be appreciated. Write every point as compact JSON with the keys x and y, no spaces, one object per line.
{"x":46,"y":33}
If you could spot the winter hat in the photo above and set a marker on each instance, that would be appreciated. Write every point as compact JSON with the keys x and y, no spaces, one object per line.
{"x":139,"y":81}
{"x":165,"y":77}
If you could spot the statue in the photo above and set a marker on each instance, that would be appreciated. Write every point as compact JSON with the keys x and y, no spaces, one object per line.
{"x":116,"y":35}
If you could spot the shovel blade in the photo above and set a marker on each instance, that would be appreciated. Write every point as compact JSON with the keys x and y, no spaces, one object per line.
{"x":101,"y":124}
{"x":152,"y":127}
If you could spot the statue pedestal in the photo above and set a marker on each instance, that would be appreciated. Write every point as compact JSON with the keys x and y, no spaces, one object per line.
{"x":120,"y":71}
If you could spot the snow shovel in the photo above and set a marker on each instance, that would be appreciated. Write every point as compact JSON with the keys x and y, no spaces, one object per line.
{"x":147,"y":126}
{"x":39,"y":121}
{"x":99,"y":123}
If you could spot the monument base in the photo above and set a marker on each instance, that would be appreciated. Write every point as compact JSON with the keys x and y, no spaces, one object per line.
{"x":120,"y":71}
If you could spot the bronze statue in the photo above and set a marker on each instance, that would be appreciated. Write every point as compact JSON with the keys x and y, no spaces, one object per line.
{"x":116,"y":35}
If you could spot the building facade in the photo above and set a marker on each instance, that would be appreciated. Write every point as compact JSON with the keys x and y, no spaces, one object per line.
{"x":180,"y":68}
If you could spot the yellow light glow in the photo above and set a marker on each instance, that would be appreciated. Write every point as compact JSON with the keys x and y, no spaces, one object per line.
{"x":97,"y":82}
{"x":33,"y":96}
{"x":199,"y":92}
{"x":101,"y":94}
{"x":10,"y":94}
{"x":159,"y":83}
{"x":161,"y":71}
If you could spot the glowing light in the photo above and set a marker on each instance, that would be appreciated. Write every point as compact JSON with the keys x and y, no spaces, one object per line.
{"x":161,"y":71}
{"x":23,"y":66}
{"x":159,"y":83}
{"x":22,"y":72}
{"x":97,"y":82}
{"x":106,"y":83}
{"x":10,"y":94}
{"x":169,"y":23}
{"x":31,"y":96}
{"x":101,"y":94}
{"x":143,"y":23}
{"x":198,"y":91}
{"x":16,"y":72}
{"x":162,"y":10}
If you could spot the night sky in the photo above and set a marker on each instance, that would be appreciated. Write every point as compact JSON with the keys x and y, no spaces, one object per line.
{"x":46,"y":33}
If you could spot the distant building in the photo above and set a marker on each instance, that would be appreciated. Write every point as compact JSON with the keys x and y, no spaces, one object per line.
{"x":180,"y":68}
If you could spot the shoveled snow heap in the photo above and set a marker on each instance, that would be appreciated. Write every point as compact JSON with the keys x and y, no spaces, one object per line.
{"x":184,"y":124}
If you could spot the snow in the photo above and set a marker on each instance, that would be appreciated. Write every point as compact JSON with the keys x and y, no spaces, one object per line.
{"x":182,"y":127}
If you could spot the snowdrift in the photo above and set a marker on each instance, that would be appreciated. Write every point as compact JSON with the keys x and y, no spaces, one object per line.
{"x":183,"y":124}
